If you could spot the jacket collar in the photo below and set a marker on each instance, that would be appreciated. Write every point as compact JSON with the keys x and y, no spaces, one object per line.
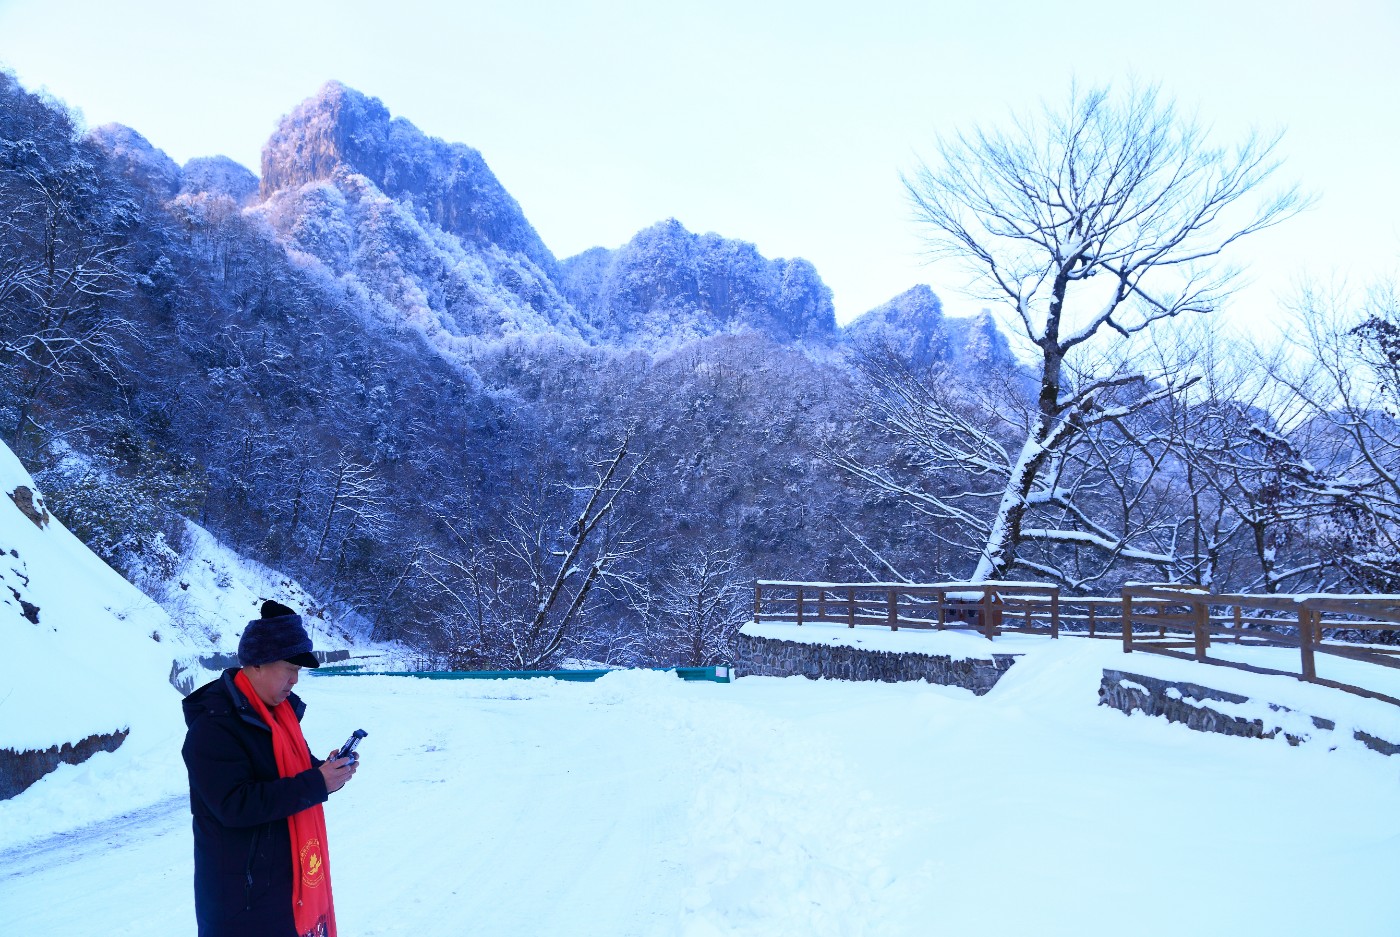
{"x":223,"y":698}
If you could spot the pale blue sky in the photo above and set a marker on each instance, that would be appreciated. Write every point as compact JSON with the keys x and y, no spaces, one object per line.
{"x":785,"y":124}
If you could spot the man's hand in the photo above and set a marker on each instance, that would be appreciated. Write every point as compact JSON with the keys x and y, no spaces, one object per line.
{"x":337,"y":771}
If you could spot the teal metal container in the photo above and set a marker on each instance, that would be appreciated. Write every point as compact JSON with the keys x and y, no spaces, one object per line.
{"x":719,"y":674}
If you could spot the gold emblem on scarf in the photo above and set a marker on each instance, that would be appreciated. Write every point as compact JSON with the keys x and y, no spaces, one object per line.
{"x":313,"y":867}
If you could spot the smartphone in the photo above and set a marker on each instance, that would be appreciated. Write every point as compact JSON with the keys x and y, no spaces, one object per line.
{"x":348,"y":749}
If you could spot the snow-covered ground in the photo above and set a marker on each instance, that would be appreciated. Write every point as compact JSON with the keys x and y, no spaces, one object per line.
{"x":642,"y":804}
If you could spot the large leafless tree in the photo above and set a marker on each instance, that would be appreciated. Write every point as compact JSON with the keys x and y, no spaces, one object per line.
{"x":1087,"y":224}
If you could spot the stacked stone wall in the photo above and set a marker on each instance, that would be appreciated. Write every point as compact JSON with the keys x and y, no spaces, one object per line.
{"x":1189,"y":704}
{"x":773,"y":657}
{"x":20,"y":769}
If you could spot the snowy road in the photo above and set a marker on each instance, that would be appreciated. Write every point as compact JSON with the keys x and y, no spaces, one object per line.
{"x":84,"y":882}
{"x":643,"y":805}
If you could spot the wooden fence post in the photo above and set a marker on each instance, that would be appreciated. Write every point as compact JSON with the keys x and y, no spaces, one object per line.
{"x":850,"y":606}
{"x":1239,"y":622}
{"x":941,"y":598}
{"x":821,"y":604}
{"x":1127,"y":622}
{"x":1201,"y":627}
{"x":757,"y":602}
{"x":1091,"y":619}
{"x":1055,"y":614}
{"x":799,"y":606}
{"x":892,"y":611}
{"x":987,"y":627}
{"x":1306,"y":620}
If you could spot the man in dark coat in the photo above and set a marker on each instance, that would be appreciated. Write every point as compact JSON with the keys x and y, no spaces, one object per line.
{"x":243,"y":868}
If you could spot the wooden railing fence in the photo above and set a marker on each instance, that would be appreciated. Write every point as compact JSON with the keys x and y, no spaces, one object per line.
{"x":1169,"y":619}
{"x":1187,"y":623}
{"x":989,"y":607}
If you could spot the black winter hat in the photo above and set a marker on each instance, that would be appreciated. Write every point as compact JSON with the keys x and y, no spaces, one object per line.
{"x":277,"y":635}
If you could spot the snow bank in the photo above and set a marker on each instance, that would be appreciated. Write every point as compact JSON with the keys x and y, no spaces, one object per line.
{"x":98,"y":660}
{"x":1088,"y":657}
{"x":1349,"y":711}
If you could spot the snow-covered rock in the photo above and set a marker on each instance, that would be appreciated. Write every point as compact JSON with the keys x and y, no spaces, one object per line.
{"x":422,"y":225}
{"x":913,"y":327}
{"x":341,"y":130}
{"x":138,"y":159}
{"x":219,"y":175}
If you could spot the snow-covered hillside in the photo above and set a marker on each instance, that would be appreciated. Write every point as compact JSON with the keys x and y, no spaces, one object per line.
{"x":85,"y":652}
{"x":214,"y":592}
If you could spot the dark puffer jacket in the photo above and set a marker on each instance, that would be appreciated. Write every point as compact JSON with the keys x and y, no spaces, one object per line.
{"x":242,"y":847}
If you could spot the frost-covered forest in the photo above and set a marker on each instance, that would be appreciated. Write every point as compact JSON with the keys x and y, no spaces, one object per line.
{"x":365,"y":368}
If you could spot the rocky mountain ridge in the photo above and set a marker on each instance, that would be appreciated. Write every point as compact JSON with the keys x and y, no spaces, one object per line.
{"x":669,"y":285}
{"x":425,"y":227}
{"x":340,"y":130}
{"x":914,"y":327}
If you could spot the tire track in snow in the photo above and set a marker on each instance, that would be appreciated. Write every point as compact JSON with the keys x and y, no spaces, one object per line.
{"x":39,"y":856}
{"x":128,"y":877}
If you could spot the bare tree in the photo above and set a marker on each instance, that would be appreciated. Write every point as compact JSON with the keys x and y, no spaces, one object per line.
{"x":513,"y":597}
{"x":701,"y":601}
{"x":61,"y":262}
{"x":1351,"y":471}
{"x":1098,"y":497}
{"x":1090,"y":224}
{"x":356,"y":501}
{"x":1236,"y":440}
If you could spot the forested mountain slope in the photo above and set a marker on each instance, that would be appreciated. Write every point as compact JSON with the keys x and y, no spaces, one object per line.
{"x":366,"y":368}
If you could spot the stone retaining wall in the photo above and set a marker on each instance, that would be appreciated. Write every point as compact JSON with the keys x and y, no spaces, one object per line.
{"x":773,"y":657}
{"x":1189,"y":704}
{"x":20,"y":769}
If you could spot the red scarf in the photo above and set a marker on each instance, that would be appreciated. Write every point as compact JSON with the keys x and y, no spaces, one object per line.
{"x":313,"y":909}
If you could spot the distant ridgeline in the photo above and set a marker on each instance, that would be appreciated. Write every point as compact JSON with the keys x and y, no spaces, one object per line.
{"x":367,"y":357}
{"x":427,"y":229}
